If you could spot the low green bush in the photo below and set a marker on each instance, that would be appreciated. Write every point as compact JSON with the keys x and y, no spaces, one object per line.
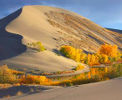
{"x":36,"y":45}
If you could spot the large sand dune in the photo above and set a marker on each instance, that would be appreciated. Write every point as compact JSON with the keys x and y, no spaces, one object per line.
{"x":53,"y":27}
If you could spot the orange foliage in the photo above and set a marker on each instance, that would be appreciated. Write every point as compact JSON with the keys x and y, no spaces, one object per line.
{"x":109,"y":50}
{"x":93,"y":59}
{"x":103,"y":59}
{"x":33,"y":79}
{"x":79,"y":67}
{"x":12,"y":76}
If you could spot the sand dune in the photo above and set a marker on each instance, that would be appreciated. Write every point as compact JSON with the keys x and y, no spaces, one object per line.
{"x":53,"y":27}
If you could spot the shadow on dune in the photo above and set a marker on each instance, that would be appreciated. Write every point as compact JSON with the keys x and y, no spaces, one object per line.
{"x":20,"y":90}
{"x":10,"y":43}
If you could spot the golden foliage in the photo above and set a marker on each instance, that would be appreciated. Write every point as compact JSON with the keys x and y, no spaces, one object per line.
{"x":109,"y":50}
{"x":105,"y":55}
{"x":12,"y":76}
{"x":95,"y":75}
{"x":93,"y":59}
{"x":71,"y":52}
{"x":33,"y":79}
{"x":79,"y":67}
{"x":104,"y":58}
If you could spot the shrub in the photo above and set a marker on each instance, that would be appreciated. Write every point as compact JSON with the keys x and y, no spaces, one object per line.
{"x":36,"y":45}
{"x":103,"y":59}
{"x":93,"y":59}
{"x":6,"y":75}
{"x":71,"y":52}
{"x":79,"y":67}
{"x":33,"y":79}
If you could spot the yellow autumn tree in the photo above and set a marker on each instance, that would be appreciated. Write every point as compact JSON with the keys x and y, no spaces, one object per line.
{"x":109,"y":50}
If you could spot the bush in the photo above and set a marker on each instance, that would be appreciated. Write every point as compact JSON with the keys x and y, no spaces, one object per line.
{"x":93,"y":59}
{"x":71,"y":52}
{"x":103,"y":59}
{"x":33,"y":79}
{"x":6,"y":75}
{"x":36,"y":45}
{"x":79,"y":67}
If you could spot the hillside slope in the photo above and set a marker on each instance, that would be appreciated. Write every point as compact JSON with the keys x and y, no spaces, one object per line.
{"x":53,"y":27}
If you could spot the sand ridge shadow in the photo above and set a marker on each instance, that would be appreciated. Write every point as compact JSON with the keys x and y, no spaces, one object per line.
{"x":10,"y":43}
{"x":21,"y":90}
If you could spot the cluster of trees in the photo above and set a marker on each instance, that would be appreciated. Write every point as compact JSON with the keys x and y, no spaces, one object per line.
{"x":76,"y":54}
{"x":106,"y":54}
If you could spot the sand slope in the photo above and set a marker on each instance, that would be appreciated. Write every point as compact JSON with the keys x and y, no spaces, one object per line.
{"x":53,"y":27}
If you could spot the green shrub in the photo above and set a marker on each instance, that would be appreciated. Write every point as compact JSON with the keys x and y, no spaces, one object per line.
{"x":36,"y":45}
